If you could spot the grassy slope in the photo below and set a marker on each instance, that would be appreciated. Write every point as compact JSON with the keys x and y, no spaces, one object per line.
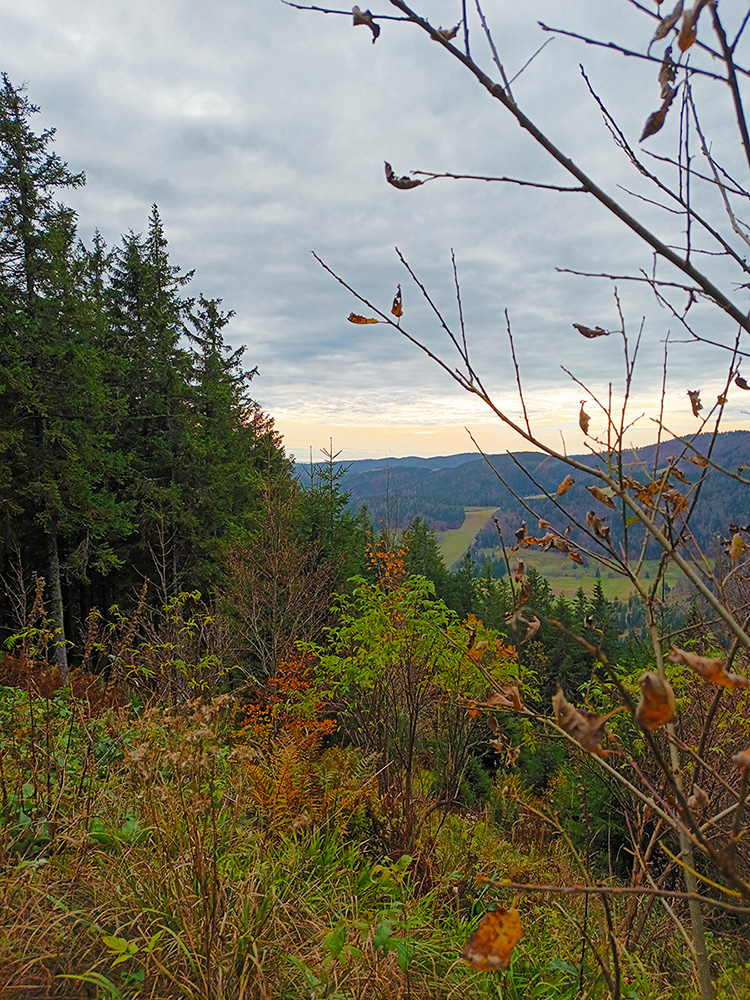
{"x":455,"y":542}
{"x":563,"y":576}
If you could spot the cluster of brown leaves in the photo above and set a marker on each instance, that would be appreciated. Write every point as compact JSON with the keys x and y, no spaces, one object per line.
{"x":550,"y":540}
{"x":667,"y":70}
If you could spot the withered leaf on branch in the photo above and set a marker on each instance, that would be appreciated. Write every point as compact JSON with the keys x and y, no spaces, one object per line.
{"x":741,"y":382}
{"x":519,"y":571}
{"x":524,"y":591}
{"x":575,"y":556}
{"x":699,"y":800}
{"x":742,"y":760}
{"x":365,"y":17}
{"x":448,"y":34}
{"x":403,"y":183}
{"x":656,"y":707}
{"x":667,"y":73}
{"x":657,"y":118}
{"x":736,"y":546}
{"x":478,"y":649}
{"x":586,"y":728}
{"x":565,"y":485}
{"x":533,"y":628}
{"x":354,"y":318}
{"x":696,"y":460}
{"x":686,"y":38}
{"x":509,"y":696}
{"x":600,"y":529}
{"x":674,"y":471}
{"x":544,"y":525}
{"x":397,"y":308}
{"x":667,"y":23}
{"x":591,"y":331}
{"x":583,"y":419}
{"x":695,"y":401}
{"x":601,"y":496}
{"x":520,"y":533}
{"x":711,"y":669}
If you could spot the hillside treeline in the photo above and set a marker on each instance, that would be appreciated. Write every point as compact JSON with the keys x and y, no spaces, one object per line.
{"x":132,"y":451}
{"x":518,"y":486}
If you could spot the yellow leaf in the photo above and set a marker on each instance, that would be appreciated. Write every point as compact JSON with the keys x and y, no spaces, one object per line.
{"x":354,"y":318}
{"x":491,"y":944}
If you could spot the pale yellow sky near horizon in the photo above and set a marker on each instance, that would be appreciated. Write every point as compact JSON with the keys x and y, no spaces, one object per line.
{"x":354,"y":441}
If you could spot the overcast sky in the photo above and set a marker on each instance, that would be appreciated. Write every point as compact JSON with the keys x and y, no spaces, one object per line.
{"x":260,"y":131}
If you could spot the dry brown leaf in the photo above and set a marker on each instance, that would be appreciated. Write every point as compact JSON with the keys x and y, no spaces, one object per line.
{"x":600,"y":529}
{"x":520,"y":533}
{"x":701,"y":462}
{"x":533,"y":628}
{"x":699,"y":800}
{"x":667,"y":23}
{"x":709,"y":668}
{"x":575,"y":556}
{"x":565,"y":485}
{"x":403,"y":183}
{"x":519,"y":571}
{"x":742,"y":760}
{"x":686,"y":38}
{"x":667,"y":73}
{"x":365,"y":17}
{"x":583,"y":419}
{"x":508,"y":696}
{"x":656,"y":706}
{"x":657,"y":118}
{"x":544,"y":525}
{"x":491,"y":944}
{"x":591,"y":331}
{"x":586,"y":728}
{"x":448,"y":34}
{"x":354,"y":318}
{"x":524,"y":592}
{"x":674,"y":471}
{"x":741,"y":382}
{"x":675,"y":499}
{"x":478,"y":649}
{"x":695,"y":401}
{"x":397,"y":308}
{"x":601,"y":496}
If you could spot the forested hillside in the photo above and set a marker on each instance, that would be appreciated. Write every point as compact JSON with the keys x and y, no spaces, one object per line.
{"x":396,"y":490}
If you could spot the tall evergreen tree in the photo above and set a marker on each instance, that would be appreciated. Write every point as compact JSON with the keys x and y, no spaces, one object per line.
{"x":54,"y":405}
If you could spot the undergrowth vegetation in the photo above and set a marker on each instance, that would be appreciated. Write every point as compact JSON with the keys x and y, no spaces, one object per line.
{"x":336,"y":831}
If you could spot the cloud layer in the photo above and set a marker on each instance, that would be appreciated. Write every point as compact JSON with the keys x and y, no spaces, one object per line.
{"x":261,"y":132}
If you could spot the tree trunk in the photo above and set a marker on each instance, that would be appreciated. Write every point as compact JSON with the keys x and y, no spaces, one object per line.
{"x":56,"y":611}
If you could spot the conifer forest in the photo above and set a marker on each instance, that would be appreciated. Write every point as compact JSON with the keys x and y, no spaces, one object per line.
{"x":261,"y":737}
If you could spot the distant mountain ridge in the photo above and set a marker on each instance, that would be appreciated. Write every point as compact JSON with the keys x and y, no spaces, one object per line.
{"x":438,"y":489}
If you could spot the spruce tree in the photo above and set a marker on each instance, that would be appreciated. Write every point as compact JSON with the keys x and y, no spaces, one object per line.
{"x":54,"y":405}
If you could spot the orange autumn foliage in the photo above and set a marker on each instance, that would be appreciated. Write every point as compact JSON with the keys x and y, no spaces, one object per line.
{"x":277,"y":708}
